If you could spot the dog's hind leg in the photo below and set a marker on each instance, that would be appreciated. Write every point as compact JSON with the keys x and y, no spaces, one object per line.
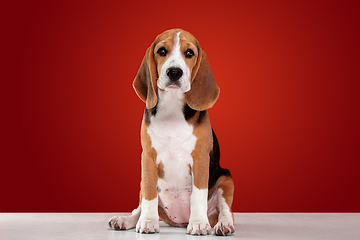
{"x":222,"y":218}
{"x":125,"y":222}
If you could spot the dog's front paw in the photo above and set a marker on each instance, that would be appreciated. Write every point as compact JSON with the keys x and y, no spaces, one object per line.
{"x":224,"y":228}
{"x":147,"y":226}
{"x":198,"y":228}
{"x":123,"y":222}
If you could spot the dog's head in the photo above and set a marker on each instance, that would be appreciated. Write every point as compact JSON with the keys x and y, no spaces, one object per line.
{"x":176,"y":61}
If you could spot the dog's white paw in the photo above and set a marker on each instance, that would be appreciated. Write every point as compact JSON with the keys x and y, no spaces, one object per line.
{"x":224,"y":228}
{"x":198,"y":228}
{"x":123,"y":222}
{"x":147,"y":226}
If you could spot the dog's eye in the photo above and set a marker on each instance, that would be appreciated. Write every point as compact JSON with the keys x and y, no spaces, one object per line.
{"x":162,"y":52}
{"x":189,"y":53}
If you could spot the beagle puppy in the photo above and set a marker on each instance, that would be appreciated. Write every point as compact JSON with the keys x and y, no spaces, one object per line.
{"x":182,"y":182}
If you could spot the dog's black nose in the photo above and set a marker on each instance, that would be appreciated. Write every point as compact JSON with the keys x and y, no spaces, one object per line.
{"x":174,"y":73}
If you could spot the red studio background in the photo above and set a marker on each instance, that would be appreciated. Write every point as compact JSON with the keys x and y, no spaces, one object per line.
{"x":287,"y":118}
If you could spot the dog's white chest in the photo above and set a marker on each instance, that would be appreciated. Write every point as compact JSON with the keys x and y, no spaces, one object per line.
{"x":172,"y":136}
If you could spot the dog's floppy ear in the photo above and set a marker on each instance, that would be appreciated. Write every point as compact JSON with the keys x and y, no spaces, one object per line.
{"x":146,"y":78}
{"x":204,"y":91}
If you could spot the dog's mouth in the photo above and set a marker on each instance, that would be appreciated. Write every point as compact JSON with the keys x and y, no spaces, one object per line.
{"x":173,"y":85}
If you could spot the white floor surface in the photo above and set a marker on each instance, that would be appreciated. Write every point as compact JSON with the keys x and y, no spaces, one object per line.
{"x":293,"y":226}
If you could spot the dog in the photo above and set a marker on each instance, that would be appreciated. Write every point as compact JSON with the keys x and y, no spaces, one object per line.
{"x":182,"y":182}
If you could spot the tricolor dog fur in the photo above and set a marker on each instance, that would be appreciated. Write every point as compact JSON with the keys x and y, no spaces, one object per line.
{"x":182,"y":182}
